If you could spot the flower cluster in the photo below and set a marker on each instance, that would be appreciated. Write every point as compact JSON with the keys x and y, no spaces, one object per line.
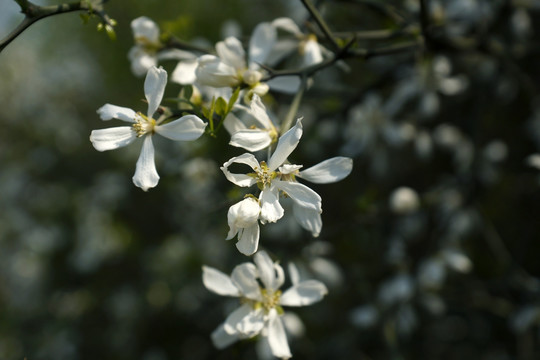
{"x":231,"y":84}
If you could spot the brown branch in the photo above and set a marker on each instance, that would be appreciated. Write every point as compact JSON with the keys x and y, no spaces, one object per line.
{"x":34,"y":13}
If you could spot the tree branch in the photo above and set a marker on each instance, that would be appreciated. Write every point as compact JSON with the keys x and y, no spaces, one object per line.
{"x":34,"y":13}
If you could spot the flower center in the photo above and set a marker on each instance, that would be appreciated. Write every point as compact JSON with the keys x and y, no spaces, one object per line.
{"x":264,"y":176}
{"x":270,"y":300}
{"x":143,"y":124}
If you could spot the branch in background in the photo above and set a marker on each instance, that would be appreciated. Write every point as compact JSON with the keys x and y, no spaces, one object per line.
{"x":345,"y":53}
{"x":34,"y":13}
{"x":174,"y":43}
{"x":322,"y":24}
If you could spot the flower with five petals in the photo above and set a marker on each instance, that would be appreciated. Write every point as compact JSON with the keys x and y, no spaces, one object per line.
{"x":261,"y":310}
{"x":186,"y":128}
{"x":276,"y":177}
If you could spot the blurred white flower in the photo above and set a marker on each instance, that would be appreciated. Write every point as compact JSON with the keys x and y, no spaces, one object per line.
{"x":148,"y":48}
{"x":186,"y":128}
{"x":261,"y":312}
{"x":231,"y":67}
{"x":276,"y":177}
{"x":306,"y":45}
{"x":404,"y":200}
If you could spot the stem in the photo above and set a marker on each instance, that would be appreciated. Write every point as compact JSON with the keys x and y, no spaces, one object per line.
{"x":34,"y":13}
{"x":344,"y":53}
{"x":322,"y":24}
{"x":293,"y":110}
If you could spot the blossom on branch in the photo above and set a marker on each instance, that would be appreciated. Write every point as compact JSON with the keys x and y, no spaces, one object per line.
{"x":232,"y":68}
{"x":261,"y":311}
{"x":186,"y":128}
{"x":148,"y":48}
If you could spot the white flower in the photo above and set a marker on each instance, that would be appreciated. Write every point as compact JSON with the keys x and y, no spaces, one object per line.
{"x":231,"y":67}
{"x":148,"y":48}
{"x":252,"y":130}
{"x":186,"y":128}
{"x":276,"y":177}
{"x":306,"y":45}
{"x":243,"y":220}
{"x":261,"y":310}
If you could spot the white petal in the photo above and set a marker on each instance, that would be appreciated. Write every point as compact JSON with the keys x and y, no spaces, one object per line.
{"x":221,"y":339}
{"x":289,"y":168}
{"x":309,"y":219}
{"x":187,"y":128}
{"x":146,"y":175}
{"x":261,"y":43}
{"x":154,"y":87}
{"x":287,"y":24}
{"x":294,"y":274}
{"x":285,"y":84}
{"x":270,"y":273}
{"x":112,"y":138}
{"x":233,"y":124}
{"x":218,"y":282}
{"x":265,"y":265}
{"x":108,"y":112}
{"x":241,"y":179}
{"x":304,"y":293}
{"x":141,"y":61}
{"x":184,"y":73}
{"x":286,"y":145}
{"x":145,"y":30}
{"x":245,"y":321}
{"x":243,"y":214}
{"x":277,"y":339}
{"x":211,"y":71}
{"x":176,"y":54}
{"x":312,"y":53}
{"x":301,"y":194}
{"x":244,"y":277}
{"x":271,"y":209}
{"x":328,"y":171}
{"x":258,"y":111}
{"x":251,"y":139}
{"x":231,"y":52}
{"x":248,"y":240}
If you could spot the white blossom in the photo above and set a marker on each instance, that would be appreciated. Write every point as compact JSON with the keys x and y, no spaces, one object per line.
{"x":232,"y":67}
{"x":305,"y":45}
{"x":276,"y":177}
{"x":252,"y":129}
{"x":261,"y":312}
{"x":186,"y":128}
{"x":148,"y":48}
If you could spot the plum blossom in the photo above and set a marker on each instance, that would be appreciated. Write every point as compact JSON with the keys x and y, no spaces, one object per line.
{"x":148,"y":49}
{"x":186,"y":128}
{"x":261,"y":312}
{"x":231,"y":67}
{"x":276,"y":177}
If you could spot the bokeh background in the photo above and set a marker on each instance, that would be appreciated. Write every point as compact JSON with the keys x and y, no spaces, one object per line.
{"x":429,"y":248}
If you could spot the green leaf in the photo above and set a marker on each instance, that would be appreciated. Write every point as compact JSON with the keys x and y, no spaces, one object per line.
{"x":85,"y":18}
{"x":221,"y":107}
{"x":187,"y":92}
{"x":233,"y":99}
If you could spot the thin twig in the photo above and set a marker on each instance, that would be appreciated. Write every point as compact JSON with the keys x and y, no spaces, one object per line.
{"x":322,"y":24}
{"x":34,"y":13}
{"x":344,"y":53}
